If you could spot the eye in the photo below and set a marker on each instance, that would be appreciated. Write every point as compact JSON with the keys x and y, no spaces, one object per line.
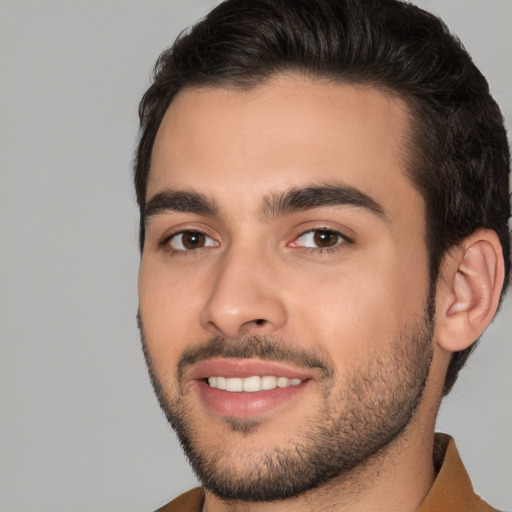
{"x":320,"y":239}
{"x":190,"y":240}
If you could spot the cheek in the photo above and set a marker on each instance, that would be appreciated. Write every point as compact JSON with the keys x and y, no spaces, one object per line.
{"x":362,"y":307}
{"x":169,"y":304}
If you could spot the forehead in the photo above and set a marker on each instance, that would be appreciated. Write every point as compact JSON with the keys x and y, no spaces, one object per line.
{"x":288,"y":132}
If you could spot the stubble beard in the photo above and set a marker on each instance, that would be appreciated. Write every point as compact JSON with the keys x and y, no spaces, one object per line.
{"x":360,"y":417}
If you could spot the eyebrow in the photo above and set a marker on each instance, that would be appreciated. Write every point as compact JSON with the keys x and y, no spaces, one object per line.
{"x":179,"y":201}
{"x":274,"y":205}
{"x":308,"y":198}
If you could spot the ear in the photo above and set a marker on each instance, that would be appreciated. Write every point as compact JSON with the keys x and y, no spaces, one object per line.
{"x":468,"y":290}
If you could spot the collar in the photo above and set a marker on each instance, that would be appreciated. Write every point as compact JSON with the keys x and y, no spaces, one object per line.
{"x":452,"y":489}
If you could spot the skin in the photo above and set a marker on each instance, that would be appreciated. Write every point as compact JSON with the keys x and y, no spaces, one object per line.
{"x":261,"y":275}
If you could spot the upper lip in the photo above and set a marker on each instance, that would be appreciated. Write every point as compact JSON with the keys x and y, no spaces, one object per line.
{"x":245,"y":368}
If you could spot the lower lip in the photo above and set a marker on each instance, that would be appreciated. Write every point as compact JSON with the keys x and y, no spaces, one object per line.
{"x":246,"y":405}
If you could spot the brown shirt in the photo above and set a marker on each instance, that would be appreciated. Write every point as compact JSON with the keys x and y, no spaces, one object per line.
{"x":452,"y":490}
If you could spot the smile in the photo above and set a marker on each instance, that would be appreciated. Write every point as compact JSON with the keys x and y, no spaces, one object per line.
{"x":247,"y":388}
{"x":251,"y":384}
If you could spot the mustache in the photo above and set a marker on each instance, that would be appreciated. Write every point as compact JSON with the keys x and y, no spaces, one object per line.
{"x":268,"y":348}
{"x":257,"y":346}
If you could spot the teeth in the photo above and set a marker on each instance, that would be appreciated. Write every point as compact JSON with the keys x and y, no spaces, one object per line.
{"x":268,"y":382}
{"x":251,"y":384}
{"x":234,"y":384}
{"x":221,"y":383}
{"x":282,"y":382}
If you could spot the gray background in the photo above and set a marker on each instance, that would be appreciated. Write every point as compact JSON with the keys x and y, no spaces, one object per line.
{"x":80,"y":429}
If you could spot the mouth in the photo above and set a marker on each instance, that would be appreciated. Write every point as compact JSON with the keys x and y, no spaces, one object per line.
{"x":246,"y":388}
{"x":251,"y":384}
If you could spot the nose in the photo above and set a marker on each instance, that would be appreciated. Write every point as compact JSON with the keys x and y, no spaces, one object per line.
{"x":245,"y":297}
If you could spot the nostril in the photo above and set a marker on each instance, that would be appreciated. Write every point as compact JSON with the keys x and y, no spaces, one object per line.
{"x":260,"y":321}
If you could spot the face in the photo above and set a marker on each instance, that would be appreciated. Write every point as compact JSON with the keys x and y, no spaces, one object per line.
{"x":284,"y":282}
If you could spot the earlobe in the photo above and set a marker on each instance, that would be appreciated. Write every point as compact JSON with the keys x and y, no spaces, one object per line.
{"x":469,"y":296}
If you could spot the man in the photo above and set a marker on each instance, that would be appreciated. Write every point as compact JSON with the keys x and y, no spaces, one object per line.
{"x":324,"y":199}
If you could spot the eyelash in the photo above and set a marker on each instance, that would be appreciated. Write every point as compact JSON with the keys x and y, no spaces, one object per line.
{"x":343,"y":240}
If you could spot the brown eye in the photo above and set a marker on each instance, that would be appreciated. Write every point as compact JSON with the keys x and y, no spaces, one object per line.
{"x":320,"y":239}
{"x":325,"y":238}
{"x":190,"y":240}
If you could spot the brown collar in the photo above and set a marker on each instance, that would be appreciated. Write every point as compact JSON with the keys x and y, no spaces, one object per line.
{"x":452,"y":489}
